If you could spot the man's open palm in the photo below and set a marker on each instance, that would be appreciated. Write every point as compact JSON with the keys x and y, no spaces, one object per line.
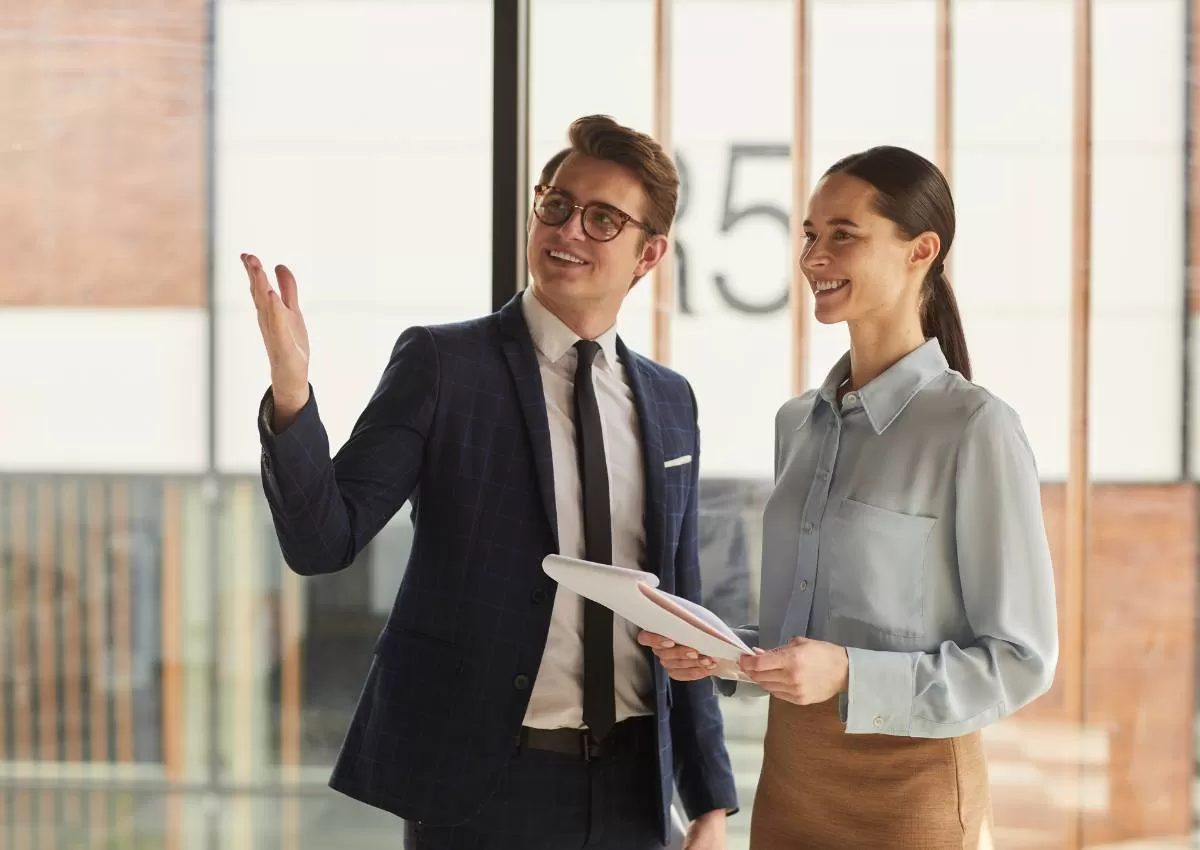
{"x":284,"y":334}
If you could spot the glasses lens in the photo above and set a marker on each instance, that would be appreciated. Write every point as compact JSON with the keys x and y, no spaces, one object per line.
{"x":553,"y":207}
{"x":601,"y":224}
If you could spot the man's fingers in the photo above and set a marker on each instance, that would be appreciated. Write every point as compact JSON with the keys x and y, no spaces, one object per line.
{"x":260,"y":284}
{"x":277,"y":321}
{"x":693,"y":668}
{"x":680,"y":654}
{"x":677,"y":663}
{"x":654,"y":641}
{"x":287,"y":287}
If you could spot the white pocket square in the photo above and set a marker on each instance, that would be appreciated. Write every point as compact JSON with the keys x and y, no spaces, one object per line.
{"x":678,"y":461}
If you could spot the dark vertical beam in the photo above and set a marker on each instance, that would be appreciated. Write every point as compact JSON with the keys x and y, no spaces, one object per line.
{"x":510,"y":146}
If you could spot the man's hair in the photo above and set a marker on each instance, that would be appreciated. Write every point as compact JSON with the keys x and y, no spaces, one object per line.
{"x":551,"y":167}
{"x":600,"y":137}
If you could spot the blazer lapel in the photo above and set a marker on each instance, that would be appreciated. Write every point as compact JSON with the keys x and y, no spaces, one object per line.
{"x":527,"y":376}
{"x":645,"y":400}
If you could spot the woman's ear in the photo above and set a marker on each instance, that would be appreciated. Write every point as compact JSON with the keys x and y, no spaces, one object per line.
{"x":925,"y":249}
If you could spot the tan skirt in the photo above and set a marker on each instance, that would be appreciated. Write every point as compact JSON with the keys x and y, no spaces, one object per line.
{"x":821,"y":788}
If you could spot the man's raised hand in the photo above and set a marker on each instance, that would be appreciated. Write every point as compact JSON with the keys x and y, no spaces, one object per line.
{"x":284,"y":336}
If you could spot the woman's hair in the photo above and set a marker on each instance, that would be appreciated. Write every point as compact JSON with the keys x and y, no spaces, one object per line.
{"x":912,"y":192}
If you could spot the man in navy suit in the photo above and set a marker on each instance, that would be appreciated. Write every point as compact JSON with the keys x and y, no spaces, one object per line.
{"x":502,"y":711}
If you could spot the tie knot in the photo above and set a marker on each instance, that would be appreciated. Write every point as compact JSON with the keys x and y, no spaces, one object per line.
{"x":588,"y":349}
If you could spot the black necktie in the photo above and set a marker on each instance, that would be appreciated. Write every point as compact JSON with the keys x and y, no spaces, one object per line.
{"x":599,"y":700}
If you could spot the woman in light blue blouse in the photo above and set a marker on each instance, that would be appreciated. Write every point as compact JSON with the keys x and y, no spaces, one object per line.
{"x":907,"y":592}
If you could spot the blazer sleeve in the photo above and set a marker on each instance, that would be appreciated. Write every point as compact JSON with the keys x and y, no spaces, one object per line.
{"x":326,"y":509}
{"x":703,"y":773}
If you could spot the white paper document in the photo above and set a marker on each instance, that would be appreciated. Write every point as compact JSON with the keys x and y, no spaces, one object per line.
{"x":634,"y":595}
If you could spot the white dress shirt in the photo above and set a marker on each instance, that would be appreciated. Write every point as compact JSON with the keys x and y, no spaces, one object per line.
{"x":557,"y":698}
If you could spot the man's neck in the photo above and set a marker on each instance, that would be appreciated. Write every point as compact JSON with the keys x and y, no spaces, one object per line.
{"x":586,"y":322}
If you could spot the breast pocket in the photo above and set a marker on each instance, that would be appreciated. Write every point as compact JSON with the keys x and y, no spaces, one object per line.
{"x":878,"y":569}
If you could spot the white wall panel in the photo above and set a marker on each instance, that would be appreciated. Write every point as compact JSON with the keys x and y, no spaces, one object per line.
{"x":103,"y":390}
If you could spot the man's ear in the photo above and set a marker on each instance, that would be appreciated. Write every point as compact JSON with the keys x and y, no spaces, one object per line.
{"x":653,"y":250}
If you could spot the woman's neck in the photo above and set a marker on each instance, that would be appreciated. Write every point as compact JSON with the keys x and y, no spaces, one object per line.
{"x":875,"y":347}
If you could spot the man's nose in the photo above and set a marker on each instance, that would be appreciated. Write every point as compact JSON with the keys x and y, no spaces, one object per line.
{"x":572,"y":228}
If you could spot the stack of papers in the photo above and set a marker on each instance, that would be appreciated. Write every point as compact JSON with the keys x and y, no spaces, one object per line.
{"x":635,"y":595}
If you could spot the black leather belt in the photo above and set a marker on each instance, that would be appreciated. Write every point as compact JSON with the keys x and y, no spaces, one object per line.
{"x":626,"y":736}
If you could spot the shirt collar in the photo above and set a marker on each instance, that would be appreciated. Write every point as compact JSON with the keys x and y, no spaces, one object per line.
{"x":884,"y":397}
{"x":554,"y":339}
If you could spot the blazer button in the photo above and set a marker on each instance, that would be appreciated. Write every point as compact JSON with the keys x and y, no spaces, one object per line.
{"x":521,"y":683}
{"x":539,"y":596}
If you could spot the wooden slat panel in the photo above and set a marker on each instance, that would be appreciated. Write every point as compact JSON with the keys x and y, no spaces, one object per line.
{"x":1131,"y":750}
{"x":46,"y":625}
{"x":945,"y":101}
{"x":22,"y":665}
{"x":1080,"y":321}
{"x":798,"y":293}
{"x":23,"y":816}
{"x":122,"y":529}
{"x":291,"y":685}
{"x":22,"y":614}
{"x":73,"y":647}
{"x":241,"y":653}
{"x":664,"y":273}
{"x":1139,"y":669}
{"x":1193,"y":202}
{"x":47,"y":821}
{"x":72,"y":607}
{"x":172,"y":616}
{"x":945,"y":87}
{"x":1078,"y":491}
{"x":6,"y":569}
{"x":97,"y":641}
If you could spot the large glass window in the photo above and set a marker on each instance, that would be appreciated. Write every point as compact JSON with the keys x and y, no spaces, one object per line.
{"x":366,"y":168}
{"x":166,"y":681}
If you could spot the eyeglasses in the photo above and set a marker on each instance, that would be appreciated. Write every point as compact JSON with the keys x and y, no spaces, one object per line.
{"x":601,"y":222}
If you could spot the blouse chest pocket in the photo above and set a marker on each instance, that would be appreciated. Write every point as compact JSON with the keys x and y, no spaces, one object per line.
{"x":877,"y":573}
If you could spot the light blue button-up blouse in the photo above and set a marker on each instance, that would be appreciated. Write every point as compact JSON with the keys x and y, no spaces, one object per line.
{"x":906,"y":525}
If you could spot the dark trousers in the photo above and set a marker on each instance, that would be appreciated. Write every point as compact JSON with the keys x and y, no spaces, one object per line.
{"x":554,"y":801}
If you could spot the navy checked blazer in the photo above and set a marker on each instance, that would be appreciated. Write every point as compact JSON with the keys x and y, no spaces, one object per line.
{"x":458,"y":425}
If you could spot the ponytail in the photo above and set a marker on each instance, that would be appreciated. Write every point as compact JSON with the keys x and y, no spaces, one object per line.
{"x":939,"y":318}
